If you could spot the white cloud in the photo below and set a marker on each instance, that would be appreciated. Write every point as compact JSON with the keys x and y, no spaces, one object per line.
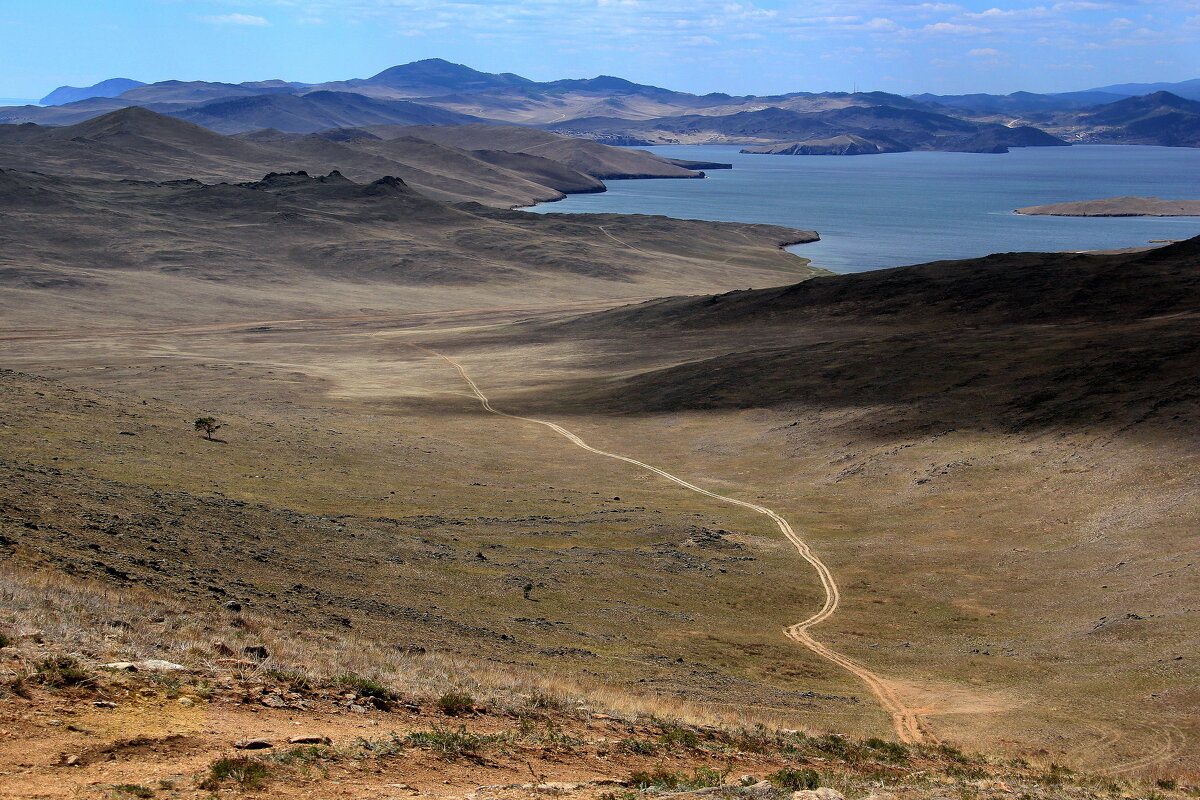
{"x":984,"y":51}
{"x":955,"y":29}
{"x":248,"y":20}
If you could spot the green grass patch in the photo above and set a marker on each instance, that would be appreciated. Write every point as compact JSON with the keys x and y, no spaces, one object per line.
{"x":452,"y":744}
{"x":248,"y":773}
{"x":794,"y":779}
{"x":366,"y":687}
{"x":453,"y":704}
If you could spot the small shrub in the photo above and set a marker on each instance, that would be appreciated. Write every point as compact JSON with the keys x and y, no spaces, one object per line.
{"x":382,"y":747}
{"x":366,"y":687}
{"x":831,"y":744}
{"x":795,"y":780}
{"x":704,"y":778}
{"x":296,"y":681}
{"x":5,"y":641}
{"x":679,"y":737}
{"x":307,"y":754}
{"x":660,"y":778}
{"x":60,"y":672}
{"x":452,"y":744}
{"x":639,"y":747}
{"x":1167,"y":783}
{"x":546,"y":701}
{"x":888,"y":751}
{"x":454,"y":703}
{"x":249,"y":773}
{"x":122,"y":790}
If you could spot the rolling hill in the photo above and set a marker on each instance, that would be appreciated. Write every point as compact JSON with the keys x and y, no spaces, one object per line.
{"x":136,"y":143}
{"x":302,"y":244}
{"x":911,"y":128}
{"x":591,"y":158}
{"x":70,"y":94}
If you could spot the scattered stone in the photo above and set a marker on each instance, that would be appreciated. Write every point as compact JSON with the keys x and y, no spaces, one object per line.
{"x":823,"y":793}
{"x":257,"y":652}
{"x":274,"y":701}
{"x":253,"y":744}
{"x":149,"y":665}
{"x":72,"y":761}
{"x":232,"y":605}
{"x":222,"y":649}
{"x":186,"y":702}
{"x":104,"y":704}
{"x":327,"y":740}
{"x":126,"y":433}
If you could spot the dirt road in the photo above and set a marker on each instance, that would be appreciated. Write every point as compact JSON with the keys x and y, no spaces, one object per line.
{"x":908,"y":724}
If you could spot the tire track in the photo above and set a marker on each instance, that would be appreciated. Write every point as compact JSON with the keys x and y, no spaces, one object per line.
{"x":909,"y":725}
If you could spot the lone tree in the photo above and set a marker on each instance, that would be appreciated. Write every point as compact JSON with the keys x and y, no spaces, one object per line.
{"x":206,"y":425}
{"x":526,"y":589}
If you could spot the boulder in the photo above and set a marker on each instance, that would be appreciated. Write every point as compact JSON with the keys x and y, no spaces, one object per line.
{"x":253,"y":744}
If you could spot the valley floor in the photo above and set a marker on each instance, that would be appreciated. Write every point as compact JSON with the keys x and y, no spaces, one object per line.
{"x":1003,"y":582}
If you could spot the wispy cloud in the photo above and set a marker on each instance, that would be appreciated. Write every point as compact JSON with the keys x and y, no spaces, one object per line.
{"x":246,"y":20}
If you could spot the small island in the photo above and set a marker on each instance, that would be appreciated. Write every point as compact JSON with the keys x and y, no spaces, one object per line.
{"x":1118,"y":207}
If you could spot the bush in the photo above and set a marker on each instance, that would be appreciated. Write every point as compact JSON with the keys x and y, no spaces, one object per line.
{"x":889,"y":751}
{"x":60,"y":672}
{"x":658,"y":779}
{"x":795,"y":779}
{"x":638,"y":747}
{"x":454,"y":703}
{"x":5,"y":641}
{"x":249,"y":773}
{"x":122,"y":790}
{"x":452,"y":744}
{"x":366,"y":687}
{"x":679,"y":737}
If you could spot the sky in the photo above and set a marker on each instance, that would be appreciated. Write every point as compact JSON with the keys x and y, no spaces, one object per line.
{"x":734,"y":46}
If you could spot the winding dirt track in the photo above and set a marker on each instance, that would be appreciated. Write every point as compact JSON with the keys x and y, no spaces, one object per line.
{"x":908,"y":724}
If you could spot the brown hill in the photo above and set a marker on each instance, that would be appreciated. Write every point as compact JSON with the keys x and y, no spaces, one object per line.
{"x":595,"y":159}
{"x":1014,"y":341}
{"x":315,"y":246}
{"x":136,"y":143}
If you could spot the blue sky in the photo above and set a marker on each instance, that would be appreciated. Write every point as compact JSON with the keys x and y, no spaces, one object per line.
{"x":737,"y":46}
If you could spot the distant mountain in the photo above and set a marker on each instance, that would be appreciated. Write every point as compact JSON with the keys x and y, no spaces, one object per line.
{"x":140,"y":144}
{"x":433,"y":76}
{"x":201,"y":91}
{"x":591,"y":158}
{"x":906,"y":128}
{"x":1018,"y":102}
{"x":109,"y":88}
{"x":1189,"y":89}
{"x":314,"y":112}
{"x":613,"y":110}
{"x":1160,"y":118}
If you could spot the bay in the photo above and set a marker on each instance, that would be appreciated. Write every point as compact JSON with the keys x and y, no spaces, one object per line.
{"x":909,"y":208}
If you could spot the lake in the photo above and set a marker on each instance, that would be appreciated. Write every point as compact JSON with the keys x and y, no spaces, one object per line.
{"x":907,"y":208}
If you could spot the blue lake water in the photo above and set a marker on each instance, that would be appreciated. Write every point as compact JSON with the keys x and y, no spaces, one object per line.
{"x":908,"y":208}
